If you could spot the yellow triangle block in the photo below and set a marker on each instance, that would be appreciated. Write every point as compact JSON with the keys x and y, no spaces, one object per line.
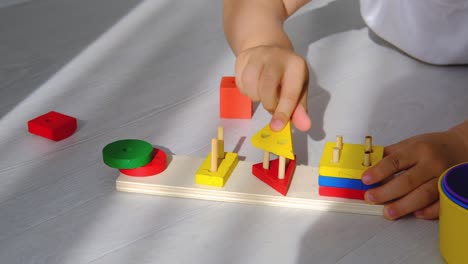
{"x":279,"y":143}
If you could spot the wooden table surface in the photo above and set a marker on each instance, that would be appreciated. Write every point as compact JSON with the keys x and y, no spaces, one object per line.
{"x":151,"y":70}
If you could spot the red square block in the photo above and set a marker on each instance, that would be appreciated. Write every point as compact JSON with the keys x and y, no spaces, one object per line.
{"x":270,"y":176}
{"x":342,"y":192}
{"x":233,"y":104}
{"x":53,"y":125}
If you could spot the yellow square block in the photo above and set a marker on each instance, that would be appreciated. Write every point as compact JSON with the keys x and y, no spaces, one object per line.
{"x":351,"y":160}
{"x":205,"y":177}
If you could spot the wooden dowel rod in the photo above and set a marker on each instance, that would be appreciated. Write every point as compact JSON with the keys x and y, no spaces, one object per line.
{"x":266,"y":160}
{"x":221,"y":142}
{"x":339,"y":142}
{"x":368,"y":144}
{"x":214,"y":155}
{"x":282,"y":167}
{"x":336,"y":155}
{"x":367,"y":159}
{"x":220,"y":133}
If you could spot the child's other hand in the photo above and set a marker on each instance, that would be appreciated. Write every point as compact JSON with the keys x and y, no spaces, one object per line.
{"x":278,"y":78}
{"x":421,"y":160}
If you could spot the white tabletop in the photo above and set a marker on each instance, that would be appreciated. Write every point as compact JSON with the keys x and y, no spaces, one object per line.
{"x":151,"y":70}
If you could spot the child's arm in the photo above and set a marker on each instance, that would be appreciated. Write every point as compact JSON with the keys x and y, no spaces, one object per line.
{"x":421,"y":160}
{"x":267,"y":69}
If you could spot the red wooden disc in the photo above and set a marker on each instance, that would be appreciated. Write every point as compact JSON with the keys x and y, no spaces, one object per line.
{"x":157,"y":165}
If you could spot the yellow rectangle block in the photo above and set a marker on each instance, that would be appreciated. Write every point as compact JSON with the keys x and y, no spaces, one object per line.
{"x":350,"y":164}
{"x":205,"y":177}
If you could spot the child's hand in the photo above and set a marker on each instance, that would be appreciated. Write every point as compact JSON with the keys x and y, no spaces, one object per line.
{"x":278,"y":78}
{"x":421,"y":160}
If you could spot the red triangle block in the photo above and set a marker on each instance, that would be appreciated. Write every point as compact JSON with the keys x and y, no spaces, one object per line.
{"x":270,"y":176}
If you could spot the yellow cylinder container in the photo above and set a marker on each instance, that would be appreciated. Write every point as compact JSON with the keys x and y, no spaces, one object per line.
{"x":453,"y":229}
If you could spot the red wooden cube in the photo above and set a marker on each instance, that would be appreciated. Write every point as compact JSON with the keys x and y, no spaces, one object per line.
{"x":53,"y":125}
{"x":233,"y":104}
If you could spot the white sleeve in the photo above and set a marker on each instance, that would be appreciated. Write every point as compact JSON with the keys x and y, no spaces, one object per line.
{"x":434,"y":31}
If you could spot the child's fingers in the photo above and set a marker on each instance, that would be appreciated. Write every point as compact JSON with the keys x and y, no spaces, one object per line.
{"x":389,"y":165}
{"x":249,"y":80}
{"x":241,"y":61}
{"x":400,"y":185}
{"x":292,"y":86}
{"x":423,"y":196}
{"x":430,"y":212}
{"x":300,"y":117}
{"x":248,"y":72}
{"x":268,"y":86}
{"x":398,"y":146}
{"x":393,"y":148}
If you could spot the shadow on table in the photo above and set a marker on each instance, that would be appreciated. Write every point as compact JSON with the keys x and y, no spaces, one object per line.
{"x":305,"y":29}
{"x":336,"y":236}
{"x":34,"y":49}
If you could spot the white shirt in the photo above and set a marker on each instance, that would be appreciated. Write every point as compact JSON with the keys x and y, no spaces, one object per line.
{"x":433,"y":31}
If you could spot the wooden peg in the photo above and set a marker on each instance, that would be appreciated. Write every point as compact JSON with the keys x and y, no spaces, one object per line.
{"x":367,"y":159}
{"x":220,"y":133}
{"x":221,"y":142}
{"x":281,"y":167}
{"x":368,"y":144}
{"x":339,"y":142}
{"x":266,"y":160}
{"x":336,"y":155}
{"x":214,"y":155}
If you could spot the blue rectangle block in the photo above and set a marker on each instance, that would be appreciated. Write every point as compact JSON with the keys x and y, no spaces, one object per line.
{"x":344,"y":183}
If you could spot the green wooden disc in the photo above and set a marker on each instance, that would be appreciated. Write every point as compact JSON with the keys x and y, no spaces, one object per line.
{"x":127,"y":154}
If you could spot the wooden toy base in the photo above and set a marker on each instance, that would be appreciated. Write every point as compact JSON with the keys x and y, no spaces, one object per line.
{"x":242,"y":187}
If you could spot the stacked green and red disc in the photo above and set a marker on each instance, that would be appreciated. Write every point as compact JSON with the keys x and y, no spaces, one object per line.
{"x":134,"y":157}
